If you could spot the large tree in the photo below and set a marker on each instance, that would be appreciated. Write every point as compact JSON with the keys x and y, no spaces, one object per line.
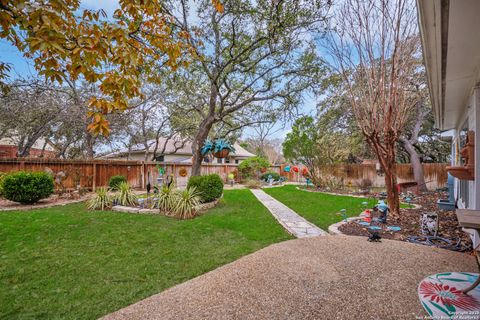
{"x":253,"y":55}
{"x":66,"y":42}
{"x":374,"y":47}
{"x":313,"y":144}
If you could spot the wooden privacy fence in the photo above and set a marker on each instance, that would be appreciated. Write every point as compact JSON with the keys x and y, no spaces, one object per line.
{"x":96,"y":173}
{"x":435,"y":174}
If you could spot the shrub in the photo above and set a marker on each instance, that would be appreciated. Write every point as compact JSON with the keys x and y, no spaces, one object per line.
{"x":250,"y":167}
{"x":2,"y":177}
{"x":115,"y":181}
{"x":253,"y":184}
{"x":275,"y":176}
{"x":100,"y":201}
{"x":125,"y":195}
{"x":27,"y":187}
{"x":166,"y":199}
{"x":210,"y":186}
{"x":186,"y":202}
{"x":364,"y":183}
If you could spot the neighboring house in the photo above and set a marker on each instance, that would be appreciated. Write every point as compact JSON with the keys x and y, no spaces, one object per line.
{"x":450,"y":32}
{"x":41,"y":148}
{"x":176,"y":150}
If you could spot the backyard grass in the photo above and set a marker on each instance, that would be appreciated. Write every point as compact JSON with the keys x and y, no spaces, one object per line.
{"x":67,"y":262}
{"x":320,"y":209}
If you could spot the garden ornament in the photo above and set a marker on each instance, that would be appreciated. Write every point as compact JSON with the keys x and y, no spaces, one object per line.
{"x":429,"y":224}
{"x":286,"y":169}
{"x":270,"y":180}
{"x":141,"y":203}
{"x":169,"y":180}
{"x":161,"y":170}
{"x":343,"y":212}
{"x":149,"y":183}
{"x":374,"y":237}
{"x":383,"y":209}
{"x":295,"y":169}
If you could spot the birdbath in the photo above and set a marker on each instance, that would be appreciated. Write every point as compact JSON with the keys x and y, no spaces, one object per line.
{"x":409,"y":200}
{"x":365,"y":205}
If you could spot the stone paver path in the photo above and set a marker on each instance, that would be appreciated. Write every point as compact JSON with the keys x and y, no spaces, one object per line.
{"x":289,"y":219}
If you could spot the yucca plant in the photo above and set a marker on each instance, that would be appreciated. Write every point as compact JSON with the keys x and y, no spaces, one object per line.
{"x":166,"y":198}
{"x":100,"y":201}
{"x":186,"y":202}
{"x":125,"y":195}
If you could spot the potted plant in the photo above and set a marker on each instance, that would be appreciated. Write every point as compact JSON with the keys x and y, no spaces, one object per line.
{"x":208,"y":147}
{"x":222,"y":148}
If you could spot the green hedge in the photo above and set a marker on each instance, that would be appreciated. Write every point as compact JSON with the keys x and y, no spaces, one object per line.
{"x":115,"y":181}
{"x":275,"y":176}
{"x":210,"y":186}
{"x":2,"y":176}
{"x":250,"y":167}
{"x":27,"y":187}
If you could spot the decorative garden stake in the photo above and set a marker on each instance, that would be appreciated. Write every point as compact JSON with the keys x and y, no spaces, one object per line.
{"x":149,"y":184}
{"x":343,"y":212}
{"x":161,"y":172}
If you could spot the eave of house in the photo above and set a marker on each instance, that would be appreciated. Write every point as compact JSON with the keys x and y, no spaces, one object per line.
{"x":450,"y":32}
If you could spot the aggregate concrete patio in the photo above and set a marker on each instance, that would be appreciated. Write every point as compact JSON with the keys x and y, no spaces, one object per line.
{"x":335,"y":277}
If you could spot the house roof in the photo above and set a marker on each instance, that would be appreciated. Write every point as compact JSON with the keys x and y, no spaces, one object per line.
{"x":177,"y":146}
{"x":451,"y":50}
{"x":38,"y":144}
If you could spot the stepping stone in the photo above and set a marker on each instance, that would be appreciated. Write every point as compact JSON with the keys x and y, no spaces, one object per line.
{"x":289,"y":219}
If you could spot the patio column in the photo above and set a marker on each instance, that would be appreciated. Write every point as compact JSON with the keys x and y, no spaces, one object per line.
{"x":475,"y":194}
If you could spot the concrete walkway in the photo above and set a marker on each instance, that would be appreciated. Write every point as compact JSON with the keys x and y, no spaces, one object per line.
{"x":337,"y":277}
{"x":289,"y":219}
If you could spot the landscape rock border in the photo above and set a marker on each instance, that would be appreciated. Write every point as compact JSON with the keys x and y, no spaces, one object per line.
{"x":200,"y":209}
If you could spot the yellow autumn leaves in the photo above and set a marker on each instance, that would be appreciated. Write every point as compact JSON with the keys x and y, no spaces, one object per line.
{"x":113,"y":54}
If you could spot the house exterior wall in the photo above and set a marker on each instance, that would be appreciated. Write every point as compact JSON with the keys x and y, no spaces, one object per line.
{"x":7,"y":151}
{"x":466,"y":191}
{"x":140,"y":156}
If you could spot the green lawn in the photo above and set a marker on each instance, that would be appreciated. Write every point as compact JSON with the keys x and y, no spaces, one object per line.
{"x":320,"y":209}
{"x":66,"y":262}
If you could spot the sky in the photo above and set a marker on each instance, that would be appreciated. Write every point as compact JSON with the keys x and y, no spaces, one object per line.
{"x":23,"y":68}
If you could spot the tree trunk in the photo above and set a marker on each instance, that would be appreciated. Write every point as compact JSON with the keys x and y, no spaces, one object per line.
{"x":386,"y":157}
{"x":392,"y":190}
{"x":416,"y":164}
{"x":198,"y":142}
{"x":89,"y":141}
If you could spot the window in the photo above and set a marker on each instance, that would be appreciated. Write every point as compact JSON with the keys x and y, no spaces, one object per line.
{"x":160,"y":158}
{"x":219,"y":160}
{"x":237,"y":161}
{"x":227,"y":160}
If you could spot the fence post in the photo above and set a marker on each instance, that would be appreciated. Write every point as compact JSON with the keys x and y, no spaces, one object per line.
{"x":94,"y":181}
{"x":143,"y":175}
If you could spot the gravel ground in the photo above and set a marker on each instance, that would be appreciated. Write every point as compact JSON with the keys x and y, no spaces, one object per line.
{"x":335,"y":277}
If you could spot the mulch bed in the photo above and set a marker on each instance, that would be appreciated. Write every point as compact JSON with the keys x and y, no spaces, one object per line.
{"x":410,"y":222}
{"x":54,"y":200}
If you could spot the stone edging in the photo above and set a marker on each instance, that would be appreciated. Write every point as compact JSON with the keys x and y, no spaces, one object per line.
{"x":333,"y":228}
{"x":415,"y":206}
{"x":201,"y":208}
